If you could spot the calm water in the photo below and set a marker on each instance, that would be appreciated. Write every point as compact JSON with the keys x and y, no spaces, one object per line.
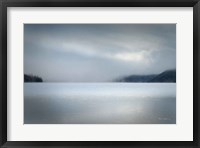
{"x":102,"y":103}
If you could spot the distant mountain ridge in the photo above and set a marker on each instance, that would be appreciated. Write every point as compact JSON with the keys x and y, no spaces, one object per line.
{"x":168,"y":76}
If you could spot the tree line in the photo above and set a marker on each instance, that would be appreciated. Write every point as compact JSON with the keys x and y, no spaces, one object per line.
{"x":32,"y":78}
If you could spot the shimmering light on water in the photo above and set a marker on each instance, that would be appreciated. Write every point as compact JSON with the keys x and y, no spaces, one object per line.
{"x":100,"y":103}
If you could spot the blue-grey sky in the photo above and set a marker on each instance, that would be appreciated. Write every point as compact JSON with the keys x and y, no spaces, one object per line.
{"x":97,"y":52}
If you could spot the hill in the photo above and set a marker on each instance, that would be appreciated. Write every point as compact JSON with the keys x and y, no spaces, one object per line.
{"x":136,"y":78}
{"x":166,"y":76}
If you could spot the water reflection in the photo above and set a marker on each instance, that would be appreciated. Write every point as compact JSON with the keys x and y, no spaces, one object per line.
{"x":105,"y":103}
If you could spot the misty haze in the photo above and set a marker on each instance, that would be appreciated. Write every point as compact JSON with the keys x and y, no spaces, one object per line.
{"x":99,"y":73}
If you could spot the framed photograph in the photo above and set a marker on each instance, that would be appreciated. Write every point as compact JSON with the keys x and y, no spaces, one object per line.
{"x":100,"y":73}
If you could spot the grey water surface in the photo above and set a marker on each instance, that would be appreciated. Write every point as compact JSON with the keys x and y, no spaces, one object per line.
{"x":100,"y":103}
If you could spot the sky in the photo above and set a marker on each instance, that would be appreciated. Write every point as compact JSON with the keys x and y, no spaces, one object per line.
{"x":98,"y":52}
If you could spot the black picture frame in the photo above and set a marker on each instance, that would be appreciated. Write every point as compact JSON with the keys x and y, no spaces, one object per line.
{"x":99,"y":3}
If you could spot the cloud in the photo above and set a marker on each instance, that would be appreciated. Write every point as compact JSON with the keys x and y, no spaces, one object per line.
{"x":98,"y":52}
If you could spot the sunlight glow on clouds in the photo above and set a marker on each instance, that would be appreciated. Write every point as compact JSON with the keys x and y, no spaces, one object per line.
{"x":137,"y":57}
{"x":98,"y":52}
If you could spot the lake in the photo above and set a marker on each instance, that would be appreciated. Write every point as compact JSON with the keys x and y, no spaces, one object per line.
{"x":100,"y":103}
